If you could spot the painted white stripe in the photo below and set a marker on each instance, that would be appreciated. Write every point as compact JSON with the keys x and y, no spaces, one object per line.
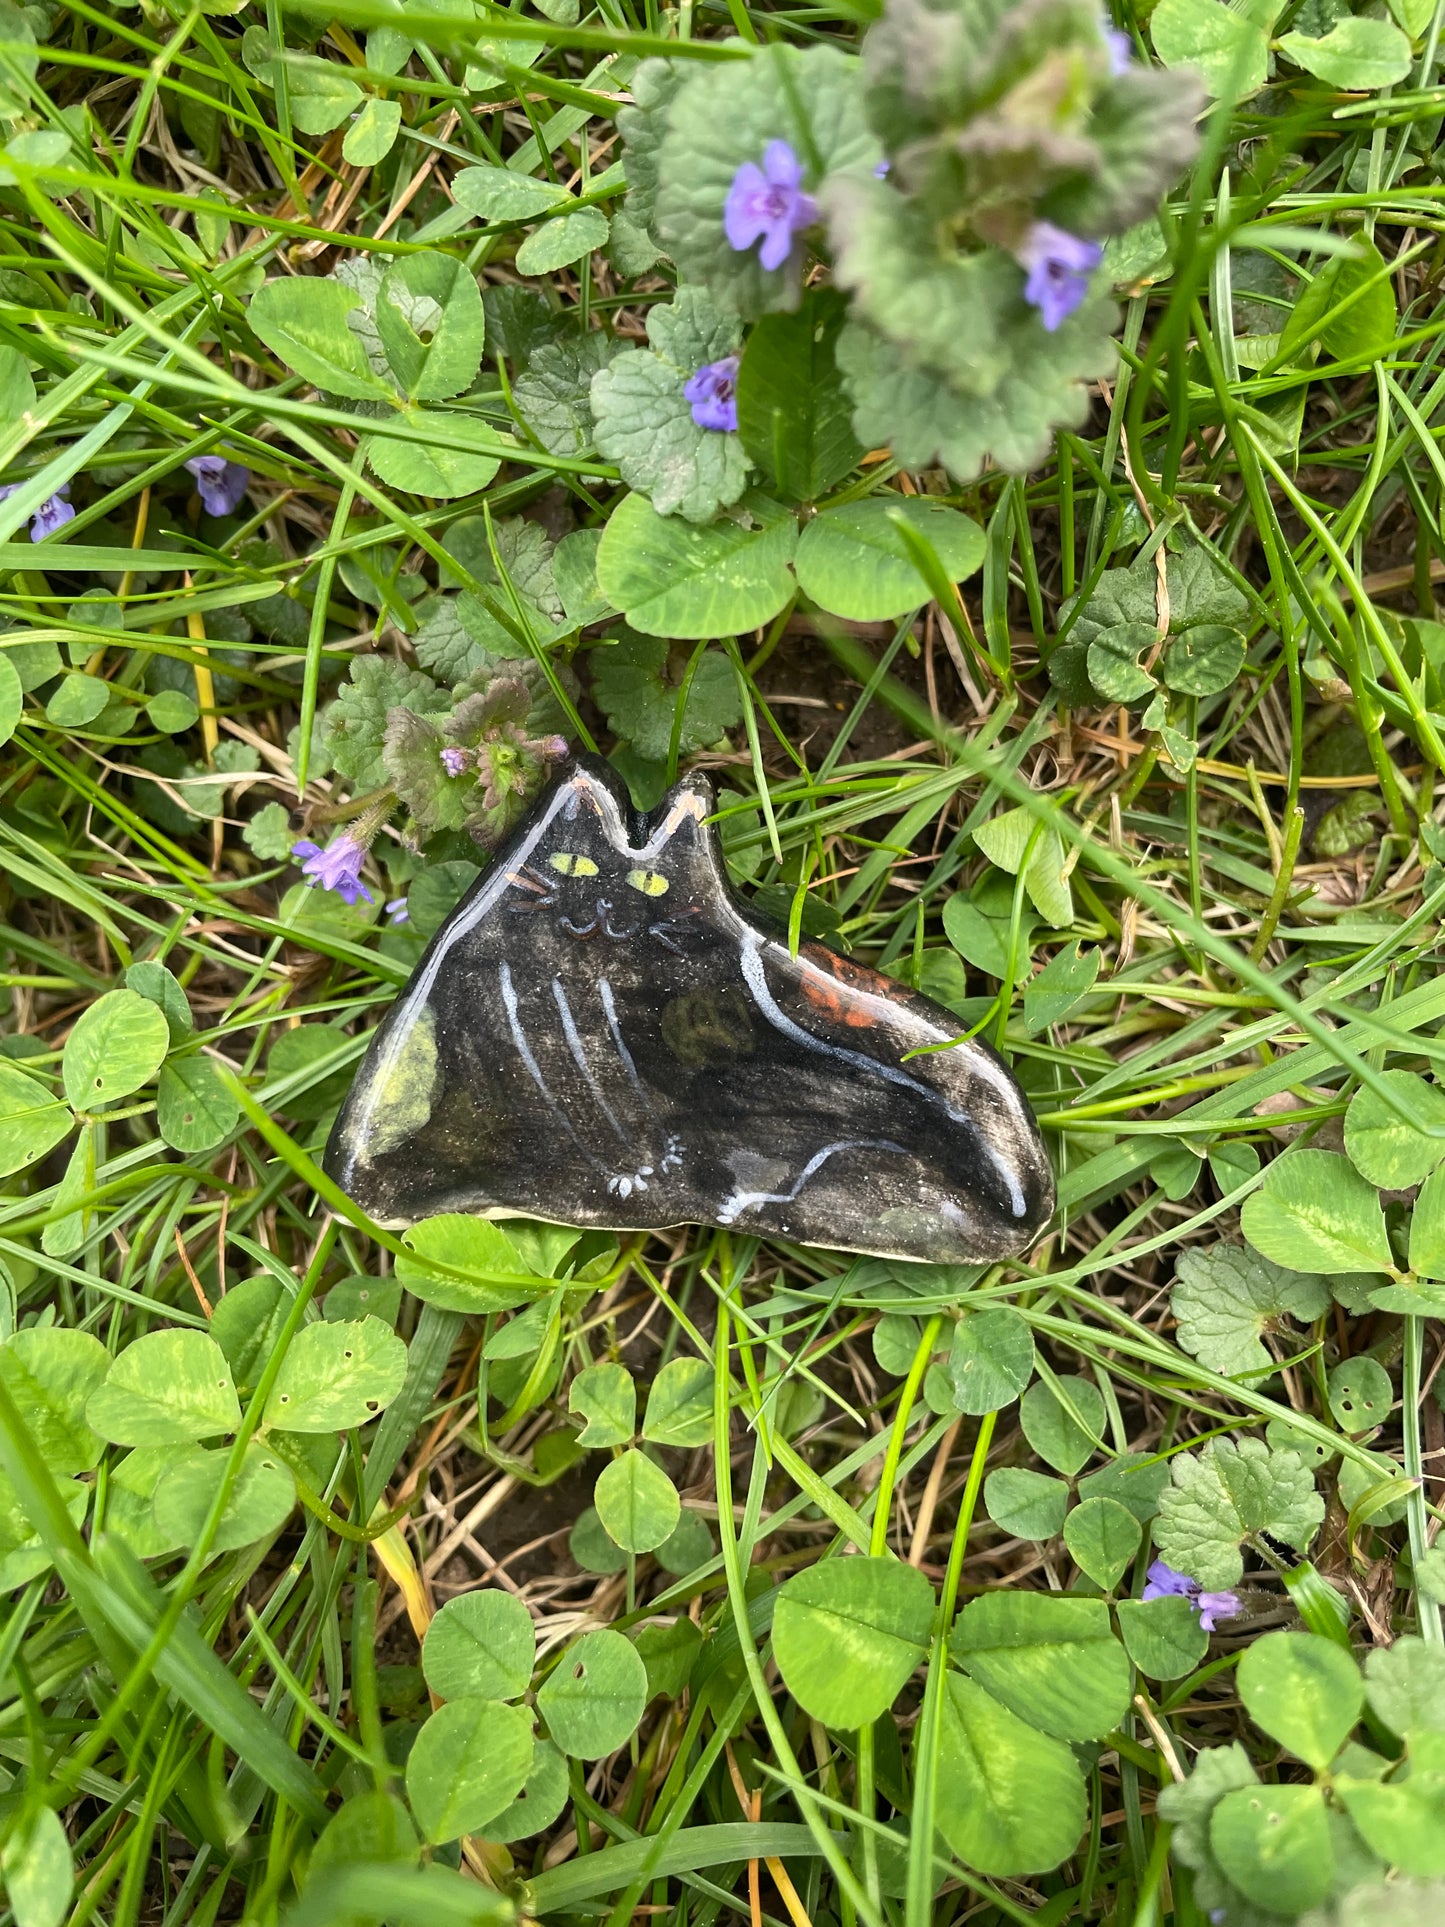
{"x":609,"y":1011}
{"x":579,"y":1058}
{"x":741,"y":1201}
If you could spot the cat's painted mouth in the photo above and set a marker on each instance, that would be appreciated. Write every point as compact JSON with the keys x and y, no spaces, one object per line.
{"x":601,"y":925}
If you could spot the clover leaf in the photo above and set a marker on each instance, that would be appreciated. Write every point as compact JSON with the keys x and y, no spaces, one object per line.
{"x":645,"y":423}
{"x":1190,"y":1805}
{"x":1315,"y":1210}
{"x":1386,"y":1148}
{"x":1230,"y":1492}
{"x":1224,"y":1297}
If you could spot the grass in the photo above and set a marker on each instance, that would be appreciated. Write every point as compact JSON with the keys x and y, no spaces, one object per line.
{"x":1267,"y":927}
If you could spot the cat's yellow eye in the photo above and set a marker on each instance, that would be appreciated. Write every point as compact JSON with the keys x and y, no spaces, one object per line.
{"x":649,"y":882}
{"x":568,"y":864}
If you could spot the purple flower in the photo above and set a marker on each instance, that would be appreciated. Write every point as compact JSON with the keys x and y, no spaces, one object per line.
{"x":882,"y":170}
{"x":456,"y":762}
{"x":337,"y":867}
{"x":713,"y":392}
{"x":51,"y":515}
{"x":1165,"y":1583}
{"x":1059,"y":266}
{"x":397,"y":911}
{"x":1121,"y":48}
{"x":768,"y":204}
{"x":219,"y":483}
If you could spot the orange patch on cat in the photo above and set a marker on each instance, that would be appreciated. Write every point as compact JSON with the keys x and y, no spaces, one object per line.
{"x":836,"y":1001}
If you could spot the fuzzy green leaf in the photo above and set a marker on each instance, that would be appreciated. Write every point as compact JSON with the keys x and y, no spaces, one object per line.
{"x":643,"y":127}
{"x":553,"y":394}
{"x":1224,"y":1297}
{"x":925,"y":421}
{"x":645,"y":424}
{"x":356,"y":720}
{"x":1224,"y":1494}
{"x":723,"y":116}
{"x":637,"y":682}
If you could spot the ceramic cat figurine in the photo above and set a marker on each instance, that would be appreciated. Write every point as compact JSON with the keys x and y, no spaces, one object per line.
{"x":602,"y":1034}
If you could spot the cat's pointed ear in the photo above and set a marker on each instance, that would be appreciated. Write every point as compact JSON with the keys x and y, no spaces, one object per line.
{"x":581,"y":817}
{"x":678,"y":832}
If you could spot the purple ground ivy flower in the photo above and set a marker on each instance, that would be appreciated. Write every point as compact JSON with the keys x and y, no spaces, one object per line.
{"x":219,"y":483}
{"x":1059,"y":265}
{"x":768,"y":204}
{"x":337,"y":867}
{"x":1121,"y":49}
{"x":713,"y":393}
{"x":51,"y":515}
{"x":1163,"y":1582}
{"x":456,"y":761}
{"x":397,"y":912}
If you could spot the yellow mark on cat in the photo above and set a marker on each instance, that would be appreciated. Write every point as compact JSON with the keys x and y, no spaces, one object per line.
{"x":404,"y":1089}
{"x":568,"y":864}
{"x":649,"y":882}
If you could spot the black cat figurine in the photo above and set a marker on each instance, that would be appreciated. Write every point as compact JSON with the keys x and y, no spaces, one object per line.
{"x":602,"y":1034}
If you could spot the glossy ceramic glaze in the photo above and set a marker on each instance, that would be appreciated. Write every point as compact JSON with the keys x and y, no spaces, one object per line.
{"x":602,"y":1034}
